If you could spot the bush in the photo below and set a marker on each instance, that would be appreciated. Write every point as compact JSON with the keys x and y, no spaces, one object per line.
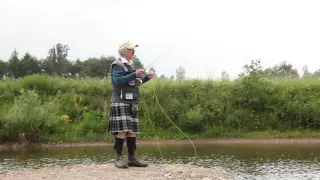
{"x":71,"y":109}
{"x":29,"y":118}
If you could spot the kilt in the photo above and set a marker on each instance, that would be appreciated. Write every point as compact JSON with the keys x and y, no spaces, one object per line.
{"x":121,"y":119}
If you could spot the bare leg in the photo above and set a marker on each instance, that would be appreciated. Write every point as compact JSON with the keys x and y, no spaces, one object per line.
{"x":130,"y":134}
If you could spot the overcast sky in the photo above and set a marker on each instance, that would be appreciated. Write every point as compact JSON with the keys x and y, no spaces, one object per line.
{"x":206,"y":37}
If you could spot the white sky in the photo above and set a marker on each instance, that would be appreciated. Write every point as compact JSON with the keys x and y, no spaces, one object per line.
{"x":207,"y":37}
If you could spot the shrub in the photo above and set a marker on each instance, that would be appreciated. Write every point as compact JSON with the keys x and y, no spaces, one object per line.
{"x":72,"y":109}
{"x":29,"y":118}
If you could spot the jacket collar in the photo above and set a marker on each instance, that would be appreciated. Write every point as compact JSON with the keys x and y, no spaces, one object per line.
{"x":124,"y":60}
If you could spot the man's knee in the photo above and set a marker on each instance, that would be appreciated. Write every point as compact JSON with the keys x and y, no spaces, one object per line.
{"x":121,"y":135}
{"x":130,"y":134}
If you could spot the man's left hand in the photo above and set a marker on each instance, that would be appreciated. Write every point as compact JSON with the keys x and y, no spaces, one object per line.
{"x":150,"y":74}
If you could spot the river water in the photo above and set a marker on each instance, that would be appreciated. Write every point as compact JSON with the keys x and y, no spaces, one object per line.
{"x":244,"y":161}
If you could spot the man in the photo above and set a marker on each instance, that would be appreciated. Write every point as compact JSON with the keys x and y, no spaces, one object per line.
{"x":123,"y":120}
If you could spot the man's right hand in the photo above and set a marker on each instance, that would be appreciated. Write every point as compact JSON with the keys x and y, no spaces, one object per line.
{"x":139,"y":72}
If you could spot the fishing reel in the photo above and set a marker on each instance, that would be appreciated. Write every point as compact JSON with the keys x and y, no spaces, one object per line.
{"x":138,"y":82}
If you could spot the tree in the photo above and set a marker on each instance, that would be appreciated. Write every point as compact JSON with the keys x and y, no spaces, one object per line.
{"x":225,"y":76}
{"x":57,"y":62}
{"x":162,"y":77}
{"x":316,"y":73}
{"x":95,"y":67}
{"x":106,"y":64}
{"x":29,"y":65}
{"x":51,"y":61}
{"x":14,"y":64}
{"x":76,"y":67}
{"x":180,"y":74}
{"x":3,"y":68}
{"x":171,"y":78}
{"x":305,"y":72}
{"x":253,"y":69}
{"x":137,"y":63}
{"x":282,"y":70}
{"x":152,"y":69}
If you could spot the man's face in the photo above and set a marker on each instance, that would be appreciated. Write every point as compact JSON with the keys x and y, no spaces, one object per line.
{"x":129,"y":54}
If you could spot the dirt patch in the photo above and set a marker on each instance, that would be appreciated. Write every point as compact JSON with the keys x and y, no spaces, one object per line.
{"x":109,"y":171}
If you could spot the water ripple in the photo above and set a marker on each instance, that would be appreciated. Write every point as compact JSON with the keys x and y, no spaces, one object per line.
{"x":255,"y":162}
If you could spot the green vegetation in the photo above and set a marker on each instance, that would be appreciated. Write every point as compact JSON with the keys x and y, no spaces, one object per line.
{"x":51,"y":108}
{"x":57,"y":63}
{"x":56,"y":99}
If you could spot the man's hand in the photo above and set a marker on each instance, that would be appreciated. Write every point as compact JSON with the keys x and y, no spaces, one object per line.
{"x":150,"y":74}
{"x":139,"y":72}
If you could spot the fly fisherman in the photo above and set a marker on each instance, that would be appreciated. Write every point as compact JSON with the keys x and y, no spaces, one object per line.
{"x":123,"y":122}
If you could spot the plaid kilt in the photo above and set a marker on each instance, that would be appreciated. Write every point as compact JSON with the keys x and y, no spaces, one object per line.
{"x":121,"y":119}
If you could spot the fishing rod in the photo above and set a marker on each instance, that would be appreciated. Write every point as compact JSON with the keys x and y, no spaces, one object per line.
{"x":163,"y":111}
{"x":139,"y":81}
{"x":164,"y":52}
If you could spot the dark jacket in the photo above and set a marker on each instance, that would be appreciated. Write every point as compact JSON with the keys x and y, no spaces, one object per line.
{"x":122,"y":82}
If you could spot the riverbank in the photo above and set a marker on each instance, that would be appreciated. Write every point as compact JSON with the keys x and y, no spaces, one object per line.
{"x":48,"y":108}
{"x":109,"y":171}
{"x":296,"y":140}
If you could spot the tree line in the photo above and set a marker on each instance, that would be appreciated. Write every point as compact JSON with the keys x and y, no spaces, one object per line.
{"x":57,"y":63}
{"x":283,"y":70}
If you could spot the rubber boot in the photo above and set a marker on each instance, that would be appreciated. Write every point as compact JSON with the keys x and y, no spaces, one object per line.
{"x":134,"y":161}
{"x":132,"y":158}
{"x":120,"y":162}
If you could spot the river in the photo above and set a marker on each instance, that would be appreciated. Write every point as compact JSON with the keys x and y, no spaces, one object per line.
{"x":245,"y":161}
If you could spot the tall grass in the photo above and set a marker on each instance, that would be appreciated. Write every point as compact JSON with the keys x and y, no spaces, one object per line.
{"x":42,"y":108}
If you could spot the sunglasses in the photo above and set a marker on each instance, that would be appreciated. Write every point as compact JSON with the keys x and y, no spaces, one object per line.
{"x":133,"y":51}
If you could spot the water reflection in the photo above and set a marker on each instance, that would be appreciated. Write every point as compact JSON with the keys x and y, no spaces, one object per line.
{"x":269,"y":161}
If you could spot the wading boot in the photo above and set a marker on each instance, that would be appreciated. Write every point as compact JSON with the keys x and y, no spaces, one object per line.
{"x":120,"y":162}
{"x":133,"y":161}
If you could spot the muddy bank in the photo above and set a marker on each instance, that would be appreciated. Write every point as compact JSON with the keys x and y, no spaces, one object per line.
{"x":109,"y":171}
{"x":169,"y":142}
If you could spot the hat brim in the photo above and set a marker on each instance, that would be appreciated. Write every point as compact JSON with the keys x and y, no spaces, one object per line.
{"x":132,"y":46}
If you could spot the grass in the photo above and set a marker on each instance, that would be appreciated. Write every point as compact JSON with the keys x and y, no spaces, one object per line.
{"x":47,"y":108}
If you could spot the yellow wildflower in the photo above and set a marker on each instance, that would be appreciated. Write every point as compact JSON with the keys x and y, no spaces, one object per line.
{"x":65,"y":118}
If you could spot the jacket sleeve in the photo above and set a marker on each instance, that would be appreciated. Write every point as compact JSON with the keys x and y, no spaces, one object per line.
{"x":119,"y":75}
{"x":145,"y":78}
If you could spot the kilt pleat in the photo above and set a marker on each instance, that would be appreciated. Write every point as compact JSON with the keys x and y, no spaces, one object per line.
{"x":122,"y":120}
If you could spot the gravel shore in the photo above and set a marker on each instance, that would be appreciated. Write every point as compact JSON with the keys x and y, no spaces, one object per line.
{"x":110,"y":172}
